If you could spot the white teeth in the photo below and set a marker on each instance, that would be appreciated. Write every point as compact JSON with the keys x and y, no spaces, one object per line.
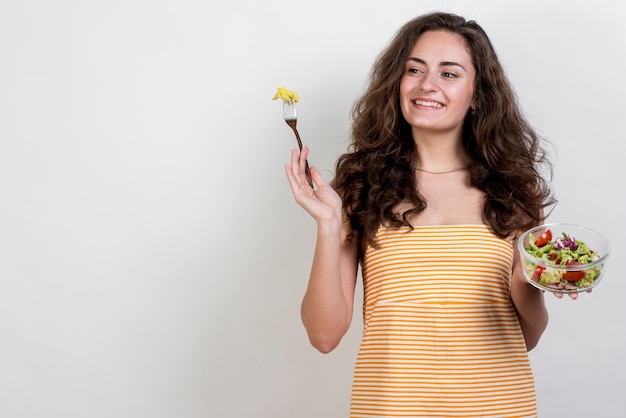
{"x":428,"y":104}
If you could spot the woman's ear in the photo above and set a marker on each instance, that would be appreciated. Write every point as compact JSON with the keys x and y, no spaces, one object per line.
{"x":474,"y":106}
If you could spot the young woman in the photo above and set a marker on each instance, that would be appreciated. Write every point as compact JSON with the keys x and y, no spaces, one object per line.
{"x":443,"y":174}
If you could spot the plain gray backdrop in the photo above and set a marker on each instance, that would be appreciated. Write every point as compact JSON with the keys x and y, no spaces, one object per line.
{"x":152,"y":260}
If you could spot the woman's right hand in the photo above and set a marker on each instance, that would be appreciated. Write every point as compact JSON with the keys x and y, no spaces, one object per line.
{"x":322,"y":203}
{"x":329,"y":299}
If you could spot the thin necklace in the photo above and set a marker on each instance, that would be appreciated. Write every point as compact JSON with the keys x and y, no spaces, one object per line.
{"x":441,"y":172}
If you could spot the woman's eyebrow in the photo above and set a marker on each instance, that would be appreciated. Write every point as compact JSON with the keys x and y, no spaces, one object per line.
{"x":451,"y":63}
{"x":441,"y":64}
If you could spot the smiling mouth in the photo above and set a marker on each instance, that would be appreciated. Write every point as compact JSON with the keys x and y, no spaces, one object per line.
{"x":426,"y":103}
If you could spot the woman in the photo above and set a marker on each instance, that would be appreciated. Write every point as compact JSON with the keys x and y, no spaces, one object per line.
{"x":441,"y":177}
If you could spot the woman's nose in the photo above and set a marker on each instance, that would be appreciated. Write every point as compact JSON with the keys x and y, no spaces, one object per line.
{"x":429,"y":82}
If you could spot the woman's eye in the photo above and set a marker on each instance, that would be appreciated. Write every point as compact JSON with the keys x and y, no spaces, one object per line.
{"x":414,"y":71}
{"x":449,"y":75}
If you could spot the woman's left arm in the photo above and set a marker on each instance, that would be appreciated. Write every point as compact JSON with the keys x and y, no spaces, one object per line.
{"x":529,"y":304}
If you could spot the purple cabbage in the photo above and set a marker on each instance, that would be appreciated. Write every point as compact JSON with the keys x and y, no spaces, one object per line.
{"x":565,"y":242}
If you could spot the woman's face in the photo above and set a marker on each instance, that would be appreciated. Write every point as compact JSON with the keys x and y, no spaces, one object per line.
{"x":437,"y":87}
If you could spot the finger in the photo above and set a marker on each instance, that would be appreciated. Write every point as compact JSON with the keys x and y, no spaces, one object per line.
{"x":293,"y":183}
{"x":298,"y":182}
{"x":292,"y":170}
{"x":317,"y":177}
{"x":305,"y":164}
{"x":558,"y":294}
{"x":296,"y":167}
{"x":302,"y":170}
{"x":289,"y":173}
{"x":307,"y":170}
{"x":307,"y":173}
{"x":295,"y":160}
{"x":573,"y":296}
{"x":299,"y":162}
{"x":304,"y":155}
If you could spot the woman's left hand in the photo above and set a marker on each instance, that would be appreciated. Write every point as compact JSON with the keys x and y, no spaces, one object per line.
{"x":572,"y":296}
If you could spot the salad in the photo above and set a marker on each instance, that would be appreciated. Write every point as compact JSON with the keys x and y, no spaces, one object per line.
{"x":562,"y":257}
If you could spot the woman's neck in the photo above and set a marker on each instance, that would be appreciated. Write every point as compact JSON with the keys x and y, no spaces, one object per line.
{"x":440,"y":153}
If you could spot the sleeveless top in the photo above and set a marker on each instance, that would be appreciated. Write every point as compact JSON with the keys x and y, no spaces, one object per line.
{"x":441,"y":336}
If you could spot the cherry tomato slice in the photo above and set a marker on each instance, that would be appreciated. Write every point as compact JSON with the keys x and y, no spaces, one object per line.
{"x":544,"y":238}
{"x":573,"y":276}
{"x":537,"y":274}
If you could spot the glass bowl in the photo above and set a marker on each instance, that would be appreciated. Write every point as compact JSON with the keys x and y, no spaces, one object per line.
{"x":545,"y":270}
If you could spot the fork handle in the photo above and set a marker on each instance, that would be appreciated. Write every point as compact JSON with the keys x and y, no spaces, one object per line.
{"x":307,"y":173}
{"x":307,"y":170}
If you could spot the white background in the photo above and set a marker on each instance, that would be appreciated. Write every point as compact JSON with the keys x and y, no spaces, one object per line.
{"x":152,"y":259}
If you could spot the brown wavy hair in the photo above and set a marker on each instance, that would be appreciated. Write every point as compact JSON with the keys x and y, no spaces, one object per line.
{"x":505,"y":153}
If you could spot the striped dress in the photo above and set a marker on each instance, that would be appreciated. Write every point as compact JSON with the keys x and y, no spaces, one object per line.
{"x":441,"y":337}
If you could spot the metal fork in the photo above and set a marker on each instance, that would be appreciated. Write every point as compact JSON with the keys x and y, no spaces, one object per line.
{"x":289,"y":113}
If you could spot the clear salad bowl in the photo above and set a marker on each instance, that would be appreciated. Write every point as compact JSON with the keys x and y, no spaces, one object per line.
{"x":563,"y":258}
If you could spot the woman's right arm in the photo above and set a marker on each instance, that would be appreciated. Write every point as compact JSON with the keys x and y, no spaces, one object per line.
{"x":328,"y":303}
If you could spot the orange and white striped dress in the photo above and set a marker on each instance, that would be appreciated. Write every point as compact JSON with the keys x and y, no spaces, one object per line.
{"x":441,"y":337}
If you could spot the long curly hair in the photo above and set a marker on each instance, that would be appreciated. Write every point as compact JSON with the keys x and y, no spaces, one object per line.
{"x":505,"y":153}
